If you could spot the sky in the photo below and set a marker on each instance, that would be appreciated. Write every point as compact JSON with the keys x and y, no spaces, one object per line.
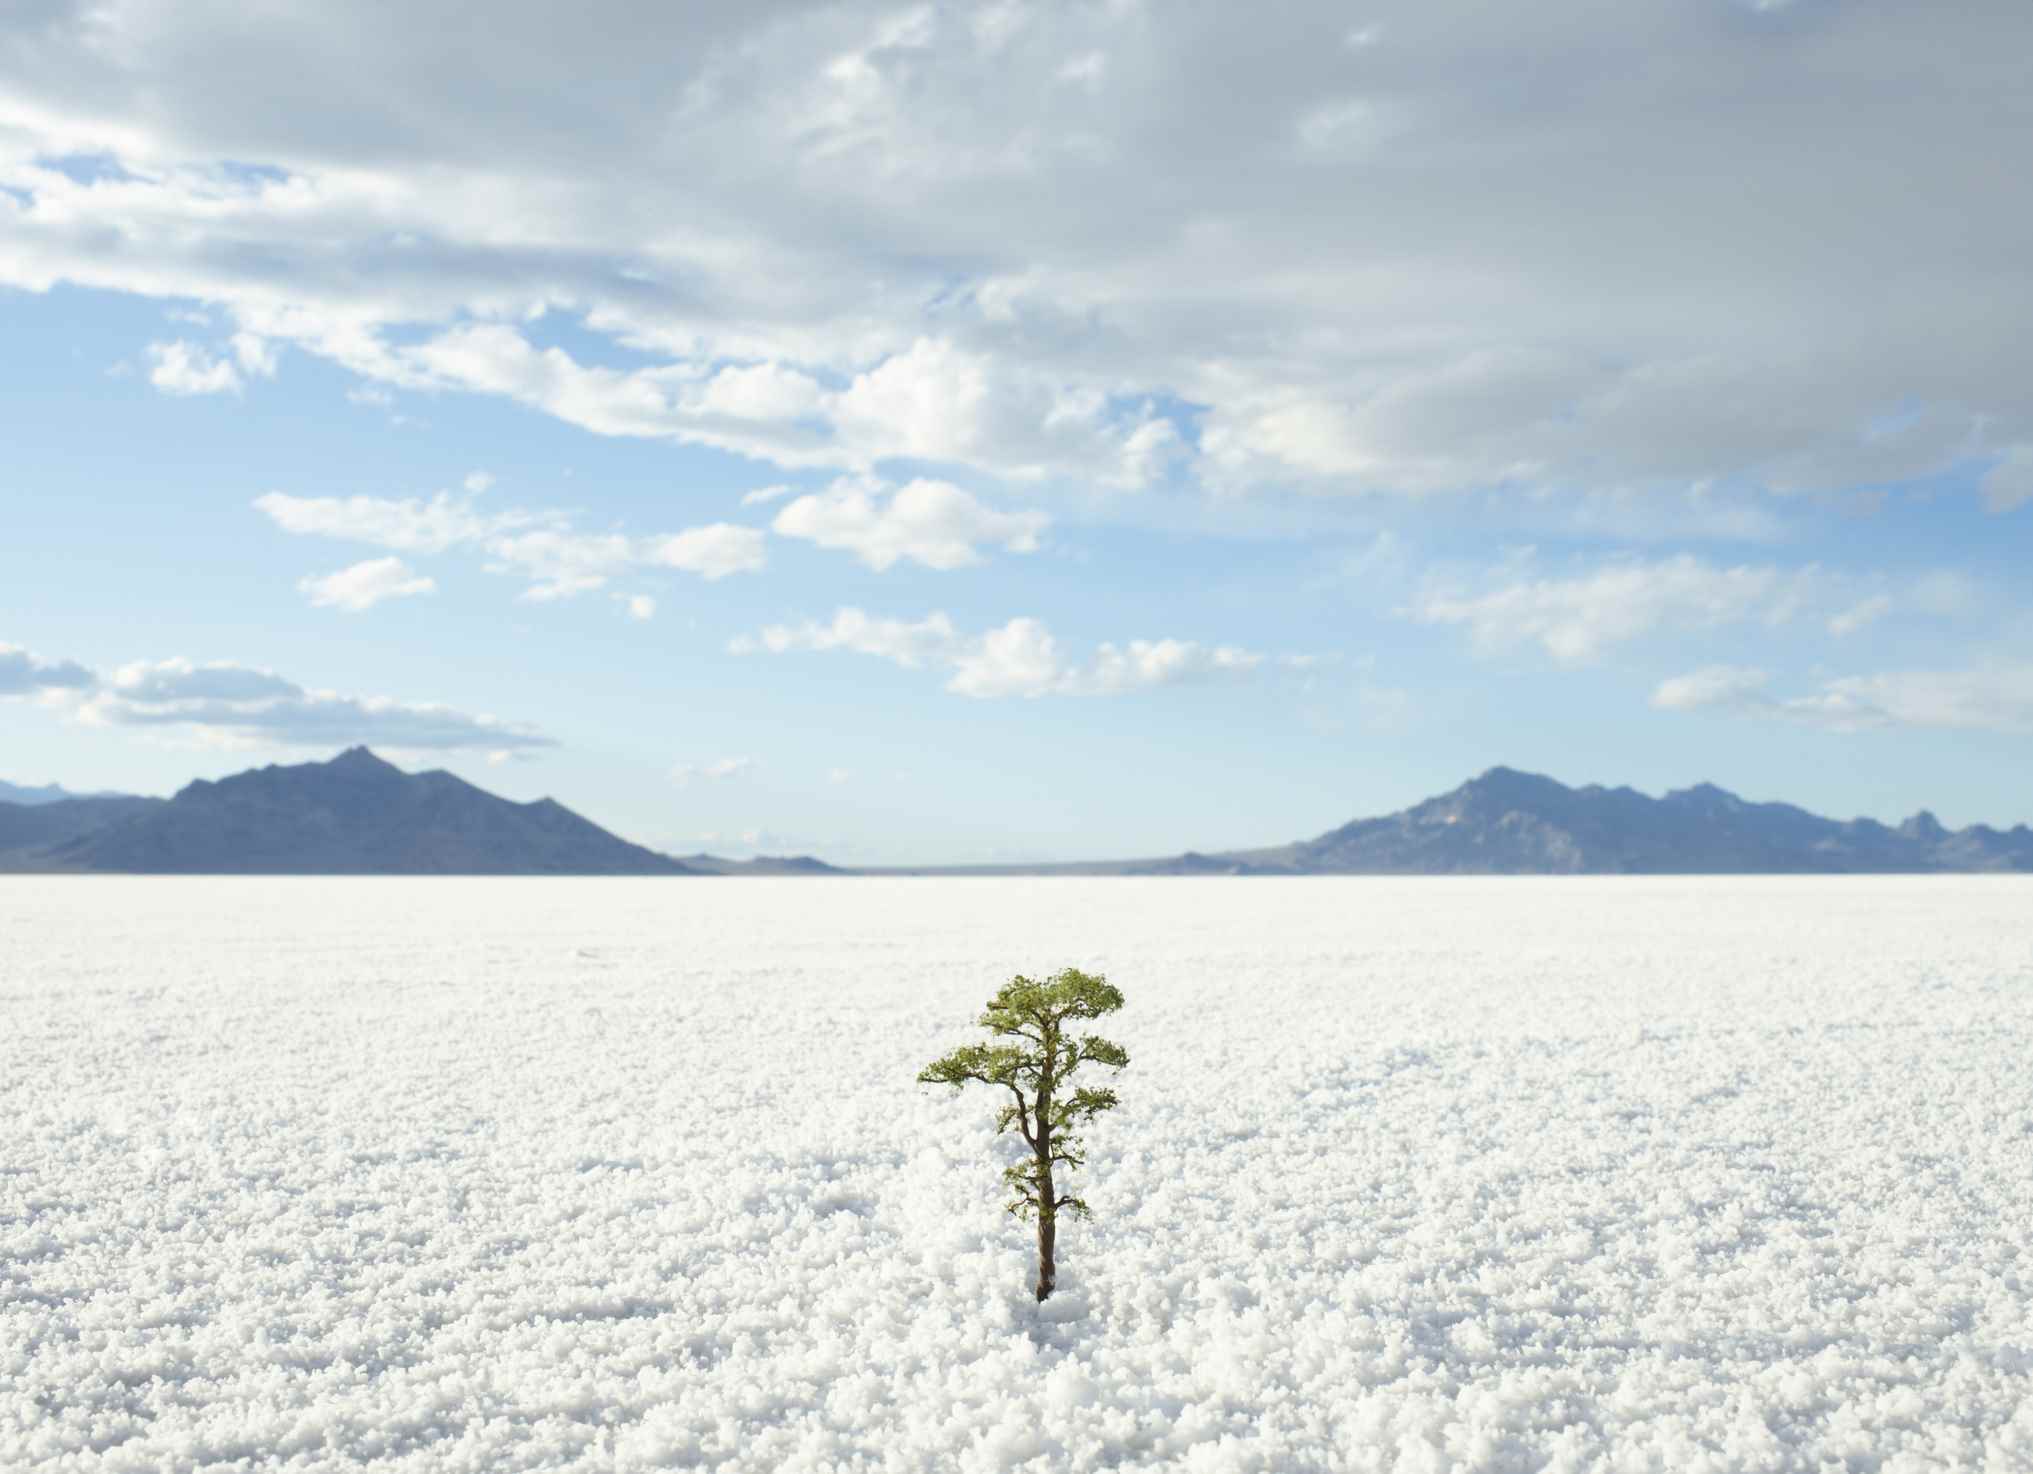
{"x":1020,"y":430}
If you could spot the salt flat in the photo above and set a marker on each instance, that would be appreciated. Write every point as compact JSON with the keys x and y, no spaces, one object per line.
{"x":558,"y":1174}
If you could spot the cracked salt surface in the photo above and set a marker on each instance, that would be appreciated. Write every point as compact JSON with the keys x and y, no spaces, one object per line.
{"x":1496,"y":1175}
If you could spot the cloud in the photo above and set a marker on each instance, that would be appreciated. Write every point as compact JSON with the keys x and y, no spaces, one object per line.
{"x":2008,"y":485}
{"x":560,"y":565}
{"x":835,"y":238}
{"x":403,"y":525}
{"x":1713,"y":685}
{"x":24,"y":673}
{"x":932,"y":640}
{"x":245,"y":705}
{"x":256,"y":356}
{"x":1860,"y":616}
{"x":543,"y":547}
{"x":364,"y":585}
{"x":933,"y":523}
{"x":1018,"y":658}
{"x":1990,"y":698}
{"x":185,"y":369}
{"x":713,"y":551}
{"x":639,"y":606}
{"x":1577,"y":618}
{"x":717,"y":771}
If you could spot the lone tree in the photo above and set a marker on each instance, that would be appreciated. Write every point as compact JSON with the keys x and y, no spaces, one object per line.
{"x":1034,"y":1058}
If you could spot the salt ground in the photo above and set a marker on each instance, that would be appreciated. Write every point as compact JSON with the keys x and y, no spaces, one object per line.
{"x":1419,"y":1175}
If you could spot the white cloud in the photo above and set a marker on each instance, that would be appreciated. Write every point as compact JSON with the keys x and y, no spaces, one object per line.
{"x":929,"y":641}
{"x":1577,"y":618}
{"x":184,"y":368}
{"x":478,"y":481}
{"x":1860,"y":615}
{"x":246,"y":705}
{"x":933,"y":523}
{"x":403,"y":525}
{"x":1713,"y":685}
{"x":713,"y":552}
{"x":1988,"y":698}
{"x":542,"y":547}
{"x":718,"y":770}
{"x":560,"y":565}
{"x":763,"y":494}
{"x":764,"y":391}
{"x":24,"y":673}
{"x":639,"y":606}
{"x":364,"y":585}
{"x":1019,"y":658}
{"x":946,"y":290}
{"x":257,"y":357}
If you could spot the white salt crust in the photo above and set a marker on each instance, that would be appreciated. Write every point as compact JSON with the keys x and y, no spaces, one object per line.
{"x":1689,"y":1175}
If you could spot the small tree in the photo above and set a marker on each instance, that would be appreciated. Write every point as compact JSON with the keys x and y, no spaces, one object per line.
{"x":1034,"y":1058}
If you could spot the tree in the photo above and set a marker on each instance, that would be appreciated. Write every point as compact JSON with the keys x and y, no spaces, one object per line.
{"x":1034,"y":1058}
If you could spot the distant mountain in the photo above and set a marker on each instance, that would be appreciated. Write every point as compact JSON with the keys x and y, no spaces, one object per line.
{"x":48,"y":793}
{"x":358,"y":815}
{"x":26,"y":829}
{"x":762,"y":865}
{"x":1511,"y":823}
{"x":354,"y":815}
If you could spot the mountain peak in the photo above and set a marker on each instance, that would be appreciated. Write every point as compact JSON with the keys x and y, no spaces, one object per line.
{"x":1512,"y":784}
{"x":357,"y":814}
{"x":1923,"y":826}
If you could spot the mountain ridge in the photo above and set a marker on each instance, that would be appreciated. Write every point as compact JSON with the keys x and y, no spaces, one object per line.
{"x":356,"y":814}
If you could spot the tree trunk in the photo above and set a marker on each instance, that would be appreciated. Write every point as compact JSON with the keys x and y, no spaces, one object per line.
{"x":1048,"y":1232}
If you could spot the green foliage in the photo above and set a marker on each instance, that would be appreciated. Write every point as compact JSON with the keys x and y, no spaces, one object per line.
{"x":1035,"y":1057}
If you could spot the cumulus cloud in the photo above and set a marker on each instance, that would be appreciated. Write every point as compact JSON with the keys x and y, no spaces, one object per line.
{"x":24,"y":673}
{"x":933,"y":523}
{"x":363,"y":585}
{"x":560,"y":564}
{"x":246,"y":705}
{"x":713,"y":552}
{"x":1988,"y":698}
{"x":718,"y":770}
{"x":183,"y":368}
{"x":1430,"y":321}
{"x":910,"y":643}
{"x":1019,"y":658}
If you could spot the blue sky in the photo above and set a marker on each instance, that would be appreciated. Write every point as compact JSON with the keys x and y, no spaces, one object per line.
{"x":921,"y":433}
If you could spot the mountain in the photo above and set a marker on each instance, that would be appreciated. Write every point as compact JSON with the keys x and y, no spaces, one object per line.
{"x":48,"y":793}
{"x":354,"y":815}
{"x":1511,"y":823}
{"x":762,"y":865}
{"x":26,"y":829}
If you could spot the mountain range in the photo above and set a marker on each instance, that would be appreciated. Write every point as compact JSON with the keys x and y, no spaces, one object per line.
{"x":360,"y":815}
{"x":354,"y":815}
